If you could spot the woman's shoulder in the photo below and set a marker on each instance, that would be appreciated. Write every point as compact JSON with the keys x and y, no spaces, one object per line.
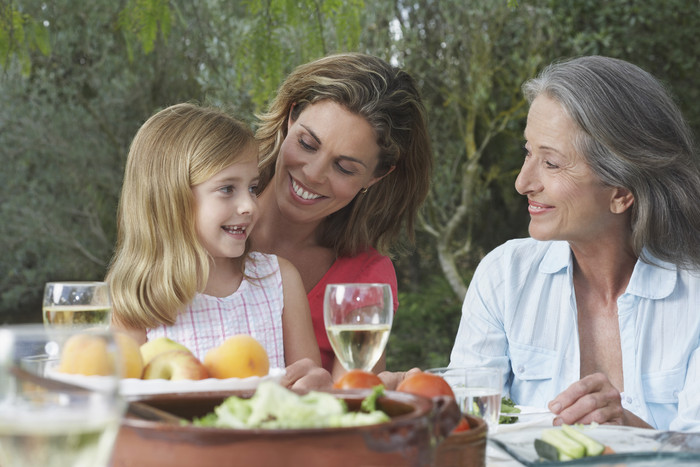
{"x":527,"y":253}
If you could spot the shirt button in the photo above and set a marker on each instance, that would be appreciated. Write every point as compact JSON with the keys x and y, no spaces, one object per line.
{"x":520,"y":369}
{"x":628,"y":399}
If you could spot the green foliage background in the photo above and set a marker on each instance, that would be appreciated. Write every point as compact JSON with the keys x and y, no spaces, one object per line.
{"x":78,"y":79}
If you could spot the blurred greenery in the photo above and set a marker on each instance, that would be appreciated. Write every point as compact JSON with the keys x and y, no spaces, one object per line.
{"x":77,"y":79}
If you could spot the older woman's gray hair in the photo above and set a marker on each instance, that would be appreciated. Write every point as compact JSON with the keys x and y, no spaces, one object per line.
{"x":633,"y":136}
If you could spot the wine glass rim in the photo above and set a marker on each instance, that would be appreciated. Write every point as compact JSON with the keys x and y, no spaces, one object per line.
{"x":77,"y":283}
{"x":358,"y":284}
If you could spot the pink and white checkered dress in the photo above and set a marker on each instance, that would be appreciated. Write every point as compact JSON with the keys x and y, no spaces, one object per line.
{"x":254,"y":309}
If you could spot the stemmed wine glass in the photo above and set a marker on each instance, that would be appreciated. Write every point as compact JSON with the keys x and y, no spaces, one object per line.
{"x":50,"y":416}
{"x":77,"y":304}
{"x":358,"y":320}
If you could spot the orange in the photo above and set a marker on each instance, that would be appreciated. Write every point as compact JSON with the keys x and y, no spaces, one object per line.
{"x":132,"y":363}
{"x":426,"y":385}
{"x":355,"y":379}
{"x":240,"y":356}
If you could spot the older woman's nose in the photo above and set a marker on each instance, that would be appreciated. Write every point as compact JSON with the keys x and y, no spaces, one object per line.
{"x":527,"y":180}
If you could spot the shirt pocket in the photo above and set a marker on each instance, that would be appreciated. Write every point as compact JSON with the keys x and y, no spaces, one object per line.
{"x":532,"y":363}
{"x":663,"y":387}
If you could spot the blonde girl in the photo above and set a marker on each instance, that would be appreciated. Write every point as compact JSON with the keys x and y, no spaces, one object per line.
{"x":182,"y":266}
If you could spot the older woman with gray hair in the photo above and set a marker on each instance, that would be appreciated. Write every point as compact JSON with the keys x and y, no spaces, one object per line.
{"x":597,"y":315}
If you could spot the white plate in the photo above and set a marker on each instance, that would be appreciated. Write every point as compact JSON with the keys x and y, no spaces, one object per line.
{"x":528,"y":416}
{"x":141,"y":387}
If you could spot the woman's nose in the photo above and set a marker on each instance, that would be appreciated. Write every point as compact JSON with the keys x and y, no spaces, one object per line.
{"x":315,"y":170}
{"x":527,"y":180}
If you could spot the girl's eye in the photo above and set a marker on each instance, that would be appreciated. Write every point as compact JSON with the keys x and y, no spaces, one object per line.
{"x":253,"y":190}
{"x":226,"y":189}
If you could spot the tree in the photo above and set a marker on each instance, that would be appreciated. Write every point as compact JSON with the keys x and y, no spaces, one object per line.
{"x":470,"y":70}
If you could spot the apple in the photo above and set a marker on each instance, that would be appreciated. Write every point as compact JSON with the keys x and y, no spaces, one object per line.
{"x":175,"y":365}
{"x":157,"y":346}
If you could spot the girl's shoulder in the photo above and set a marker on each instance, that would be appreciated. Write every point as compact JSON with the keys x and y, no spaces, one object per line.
{"x":261,"y":264}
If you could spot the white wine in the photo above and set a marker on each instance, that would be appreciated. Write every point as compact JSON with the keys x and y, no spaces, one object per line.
{"x":57,"y":443}
{"x":358,"y":345}
{"x":77,"y":315}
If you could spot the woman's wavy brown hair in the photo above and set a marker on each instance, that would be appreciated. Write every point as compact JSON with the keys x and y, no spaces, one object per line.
{"x":388,"y":99}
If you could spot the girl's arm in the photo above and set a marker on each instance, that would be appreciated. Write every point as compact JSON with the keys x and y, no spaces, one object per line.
{"x":299,"y":338}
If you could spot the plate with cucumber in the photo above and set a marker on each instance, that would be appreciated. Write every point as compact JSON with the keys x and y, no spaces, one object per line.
{"x":600,"y":445}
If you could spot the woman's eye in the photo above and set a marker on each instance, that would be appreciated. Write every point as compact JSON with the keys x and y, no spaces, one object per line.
{"x":305,"y":145}
{"x":550,"y":165}
{"x":343,"y":169}
{"x":526,"y":152}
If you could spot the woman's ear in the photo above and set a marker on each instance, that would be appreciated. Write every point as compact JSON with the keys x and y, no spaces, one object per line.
{"x":376,"y":179}
{"x":290,"y":116}
{"x":621,"y":200}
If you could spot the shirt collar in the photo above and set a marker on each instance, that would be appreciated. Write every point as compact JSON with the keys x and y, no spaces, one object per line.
{"x":661,"y":274}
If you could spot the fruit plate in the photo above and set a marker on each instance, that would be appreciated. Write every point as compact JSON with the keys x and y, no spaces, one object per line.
{"x":140,"y":387}
{"x":632,"y":446}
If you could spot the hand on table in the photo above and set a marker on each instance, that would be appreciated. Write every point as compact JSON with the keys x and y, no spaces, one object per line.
{"x":306,"y":375}
{"x":591,"y":399}
{"x":392,"y":379}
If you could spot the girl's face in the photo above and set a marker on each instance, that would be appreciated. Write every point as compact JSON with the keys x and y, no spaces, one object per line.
{"x":328,"y":156}
{"x":227,"y":208}
{"x":566,"y":199}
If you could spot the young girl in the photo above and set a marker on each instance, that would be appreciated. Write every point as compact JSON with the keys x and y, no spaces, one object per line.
{"x":182,"y":266}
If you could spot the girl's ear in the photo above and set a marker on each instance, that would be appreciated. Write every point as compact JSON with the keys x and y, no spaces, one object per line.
{"x":621,"y":200}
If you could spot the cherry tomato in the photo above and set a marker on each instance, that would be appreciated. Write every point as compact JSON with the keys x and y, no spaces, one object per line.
{"x":358,"y":379}
{"x":463,"y":425}
{"x":426,"y":385}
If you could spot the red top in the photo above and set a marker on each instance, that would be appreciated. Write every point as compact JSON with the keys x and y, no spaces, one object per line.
{"x":363,"y":268}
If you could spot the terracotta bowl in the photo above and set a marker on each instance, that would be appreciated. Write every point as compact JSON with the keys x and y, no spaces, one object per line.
{"x":417,"y":425}
{"x":466,"y":448}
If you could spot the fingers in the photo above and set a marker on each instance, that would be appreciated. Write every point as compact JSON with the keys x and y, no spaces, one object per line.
{"x":392,"y":379}
{"x":591,"y":399}
{"x":306,"y":375}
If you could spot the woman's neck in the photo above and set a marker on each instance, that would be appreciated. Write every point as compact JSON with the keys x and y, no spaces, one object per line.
{"x":605,"y":265}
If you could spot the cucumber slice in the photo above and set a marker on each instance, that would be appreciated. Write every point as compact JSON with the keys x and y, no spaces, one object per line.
{"x":546,"y":451}
{"x":593,"y":447}
{"x":565,"y":445}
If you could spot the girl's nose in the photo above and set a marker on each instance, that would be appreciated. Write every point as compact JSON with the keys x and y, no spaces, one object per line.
{"x":248,"y":204}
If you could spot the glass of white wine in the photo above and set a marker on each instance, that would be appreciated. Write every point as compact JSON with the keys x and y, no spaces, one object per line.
{"x":77,"y":304}
{"x":50,"y":418}
{"x":358,"y":320}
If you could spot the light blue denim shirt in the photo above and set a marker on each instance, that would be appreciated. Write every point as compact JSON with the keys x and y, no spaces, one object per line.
{"x":519,"y":314}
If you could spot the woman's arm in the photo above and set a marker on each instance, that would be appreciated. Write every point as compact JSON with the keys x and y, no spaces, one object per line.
{"x":299,"y":339}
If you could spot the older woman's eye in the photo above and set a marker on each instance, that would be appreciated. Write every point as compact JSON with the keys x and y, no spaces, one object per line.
{"x":550,"y":165}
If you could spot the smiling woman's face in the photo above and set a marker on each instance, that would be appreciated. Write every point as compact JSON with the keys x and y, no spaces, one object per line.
{"x":328,"y":156}
{"x":566,"y":199}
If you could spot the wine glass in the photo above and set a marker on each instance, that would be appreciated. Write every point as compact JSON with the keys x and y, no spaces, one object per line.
{"x":358,"y":320}
{"x":49,"y":417}
{"x":77,"y":304}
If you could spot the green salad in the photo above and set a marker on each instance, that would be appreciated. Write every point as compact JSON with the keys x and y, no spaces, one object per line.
{"x":508,"y":406}
{"x":273,"y":406}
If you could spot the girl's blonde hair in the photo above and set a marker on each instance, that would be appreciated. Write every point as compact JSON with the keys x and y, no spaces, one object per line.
{"x":159,"y":264}
{"x":388,"y":98}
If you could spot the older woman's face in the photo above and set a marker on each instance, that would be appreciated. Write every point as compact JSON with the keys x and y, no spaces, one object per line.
{"x":566,"y":200}
{"x":328,"y":156}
